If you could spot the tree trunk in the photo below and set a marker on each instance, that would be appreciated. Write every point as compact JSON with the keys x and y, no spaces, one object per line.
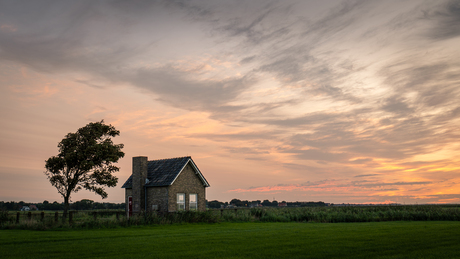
{"x":66,"y":208}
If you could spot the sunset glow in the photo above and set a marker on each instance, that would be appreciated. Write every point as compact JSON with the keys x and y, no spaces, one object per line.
{"x":334,"y":101}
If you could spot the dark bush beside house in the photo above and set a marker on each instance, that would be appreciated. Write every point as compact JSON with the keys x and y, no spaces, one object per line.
{"x":165,"y":185}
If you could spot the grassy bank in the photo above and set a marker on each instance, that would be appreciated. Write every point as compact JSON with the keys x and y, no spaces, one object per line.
{"x":107,"y":219}
{"x":241,"y":240}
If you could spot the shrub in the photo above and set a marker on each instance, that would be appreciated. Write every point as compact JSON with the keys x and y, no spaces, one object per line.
{"x":300,"y":214}
{"x":3,"y":216}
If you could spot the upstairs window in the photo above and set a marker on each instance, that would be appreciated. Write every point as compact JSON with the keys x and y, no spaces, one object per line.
{"x":193,"y":201}
{"x":180,"y":201}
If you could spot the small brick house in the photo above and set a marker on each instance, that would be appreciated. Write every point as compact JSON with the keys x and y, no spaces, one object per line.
{"x":165,"y":185}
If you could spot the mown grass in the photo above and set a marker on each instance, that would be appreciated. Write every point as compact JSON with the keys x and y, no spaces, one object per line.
{"x":241,"y":240}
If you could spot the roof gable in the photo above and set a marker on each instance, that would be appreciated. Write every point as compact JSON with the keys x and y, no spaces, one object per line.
{"x":164,"y":172}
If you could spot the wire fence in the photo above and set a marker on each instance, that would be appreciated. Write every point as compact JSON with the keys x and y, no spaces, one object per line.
{"x":116,"y":218}
{"x":50,"y":216}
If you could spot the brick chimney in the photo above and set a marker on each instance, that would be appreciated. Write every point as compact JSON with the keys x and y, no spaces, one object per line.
{"x":139,"y":176}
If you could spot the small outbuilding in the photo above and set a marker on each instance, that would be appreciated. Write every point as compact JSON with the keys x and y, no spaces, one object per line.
{"x":165,"y":185}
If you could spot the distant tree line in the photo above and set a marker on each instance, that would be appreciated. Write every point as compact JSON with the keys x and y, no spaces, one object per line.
{"x":84,"y":204}
{"x":87,"y":204}
{"x":215,"y":204}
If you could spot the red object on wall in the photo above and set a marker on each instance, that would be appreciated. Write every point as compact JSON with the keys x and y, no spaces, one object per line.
{"x":130,"y":206}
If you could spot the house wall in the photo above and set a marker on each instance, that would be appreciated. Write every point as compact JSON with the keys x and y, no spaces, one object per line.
{"x":128,"y":192}
{"x":187,"y":182}
{"x":157,"y":196}
{"x":139,"y":176}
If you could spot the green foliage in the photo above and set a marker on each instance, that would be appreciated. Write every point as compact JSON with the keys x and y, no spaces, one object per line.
{"x":51,"y":206}
{"x":180,"y":217}
{"x":85,"y":161}
{"x":214,"y":204}
{"x":84,"y":204}
{"x":9,"y":205}
{"x":107,"y":219}
{"x":240,"y":215}
{"x":357,"y":214}
{"x":3,"y":216}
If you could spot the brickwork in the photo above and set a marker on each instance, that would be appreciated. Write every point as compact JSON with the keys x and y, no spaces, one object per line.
{"x":157,"y":196}
{"x":164,"y":199}
{"x":139,"y":176}
{"x":128,"y":192}
{"x":187,"y":182}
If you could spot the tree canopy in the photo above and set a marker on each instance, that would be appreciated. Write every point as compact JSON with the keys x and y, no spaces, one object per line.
{"x":85,"y":161}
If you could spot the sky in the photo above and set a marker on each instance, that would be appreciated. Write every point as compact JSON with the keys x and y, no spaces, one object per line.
{"x":333,"y":101}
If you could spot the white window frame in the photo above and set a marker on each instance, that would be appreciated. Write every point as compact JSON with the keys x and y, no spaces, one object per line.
{"x":180,"y":203}
{"x":193,"y":205}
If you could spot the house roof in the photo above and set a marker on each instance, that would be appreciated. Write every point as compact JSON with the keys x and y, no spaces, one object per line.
{"x":164,"y":172}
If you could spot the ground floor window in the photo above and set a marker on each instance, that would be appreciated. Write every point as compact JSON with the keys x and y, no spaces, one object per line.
{"x":193,"y":201}
{"x":181,"y":201}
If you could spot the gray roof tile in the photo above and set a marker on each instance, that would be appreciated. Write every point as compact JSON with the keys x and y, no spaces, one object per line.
{"x":163,"y":172}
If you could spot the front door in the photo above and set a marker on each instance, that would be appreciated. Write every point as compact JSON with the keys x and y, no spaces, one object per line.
{"x":130,"y":206}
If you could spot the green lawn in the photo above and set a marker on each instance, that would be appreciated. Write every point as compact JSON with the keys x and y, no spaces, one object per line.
{"x":242,"y":240}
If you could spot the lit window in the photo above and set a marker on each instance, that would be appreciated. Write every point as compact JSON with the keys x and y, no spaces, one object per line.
{"x":181,"y":201}
{"x":193,"y":201}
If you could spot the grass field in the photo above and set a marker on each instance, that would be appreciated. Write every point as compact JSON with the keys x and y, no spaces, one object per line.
{"x":428,"y":239}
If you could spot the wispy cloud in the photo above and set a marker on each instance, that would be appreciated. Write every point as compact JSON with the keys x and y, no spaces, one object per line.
{"x":446,"y":19}
{"x":305,"y":90}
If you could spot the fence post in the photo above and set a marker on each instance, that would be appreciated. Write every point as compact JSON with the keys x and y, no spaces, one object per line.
{"x":95,"y":215}
{"x":221,"y":212}
{"x":236,"y":211}
{"x":29,"y":215}
{"x":17,"y":217}
{"x":56,"y":216}
{"x":42,"y":216}
{"x":118,"y":215}
{"x":70,"y":217}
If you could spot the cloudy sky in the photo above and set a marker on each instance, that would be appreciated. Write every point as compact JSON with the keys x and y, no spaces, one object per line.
{"x":334,"y":101}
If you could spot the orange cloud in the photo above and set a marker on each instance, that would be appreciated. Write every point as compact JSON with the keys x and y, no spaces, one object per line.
{"x":7,"y":27}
